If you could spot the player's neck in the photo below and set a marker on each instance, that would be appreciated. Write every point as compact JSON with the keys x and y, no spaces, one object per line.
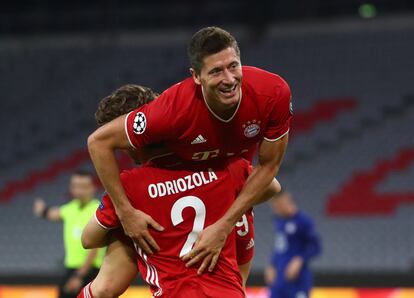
{"x":224,"y":114}
{"x":220,"y":110}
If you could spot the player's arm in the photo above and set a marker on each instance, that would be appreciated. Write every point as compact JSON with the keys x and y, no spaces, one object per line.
{"x":256,"y":187}
{"x":102,"y":145}
{"x":94,"y":235}
{"x":41,"y":210}
{"x":313,"y":245}
{"x":212,"y":239}
{"x":273,"y":189}
{"x":75,"y":282}
{"x":311,"y":249}
{"x":269,"y":274}
{"x":96,"y":232}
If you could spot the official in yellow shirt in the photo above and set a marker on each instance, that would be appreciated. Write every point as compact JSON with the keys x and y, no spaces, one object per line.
{"x":81,"y":265}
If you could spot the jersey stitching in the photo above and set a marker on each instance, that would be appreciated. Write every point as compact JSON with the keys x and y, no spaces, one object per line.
{"x":274,"y":140}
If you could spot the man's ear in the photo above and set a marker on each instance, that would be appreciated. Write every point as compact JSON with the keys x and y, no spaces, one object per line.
{"x":195,"y":76}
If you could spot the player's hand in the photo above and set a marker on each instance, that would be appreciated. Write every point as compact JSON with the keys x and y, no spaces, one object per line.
{"x":73,"y":285}
{"x":270,"y":275}
{"x":135,"y":224}
{"x":38,"y":207}
{"x":293,"y":268}
{"x":207,"y":247}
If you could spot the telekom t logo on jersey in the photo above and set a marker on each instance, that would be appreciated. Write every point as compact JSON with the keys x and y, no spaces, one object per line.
{"x":204,"y":155}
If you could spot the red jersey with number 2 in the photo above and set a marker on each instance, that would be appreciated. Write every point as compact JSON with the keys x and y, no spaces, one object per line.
{"x":184,"y":202}
{"x":181,"y":119}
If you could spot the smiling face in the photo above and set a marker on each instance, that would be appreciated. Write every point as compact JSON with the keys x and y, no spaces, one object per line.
{"x":220,"y":77}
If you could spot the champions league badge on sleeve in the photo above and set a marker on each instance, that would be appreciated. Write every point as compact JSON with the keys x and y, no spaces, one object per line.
{"x":140,"y":123}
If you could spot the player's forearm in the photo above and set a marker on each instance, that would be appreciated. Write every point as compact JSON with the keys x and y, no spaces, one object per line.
{"x":103,"y":157}
{"x":273,"y":189}
{"x":53,"y":214}
{"x":270,"y":158}
{"x":254,"y":190}
{"x":86,"y":266}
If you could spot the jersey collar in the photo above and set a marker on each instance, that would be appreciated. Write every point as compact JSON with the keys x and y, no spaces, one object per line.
{"x":217,"y":116}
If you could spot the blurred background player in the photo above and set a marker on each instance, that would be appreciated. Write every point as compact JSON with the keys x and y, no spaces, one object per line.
{"x":296,"y":243}
{"x":81,"y":265}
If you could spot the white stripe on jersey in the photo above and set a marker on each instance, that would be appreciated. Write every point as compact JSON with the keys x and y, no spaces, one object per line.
{"x":152,"y":274}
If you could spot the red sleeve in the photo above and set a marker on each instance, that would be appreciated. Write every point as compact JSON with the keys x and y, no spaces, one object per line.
{"x":153,"y":122}
{"x":280,"y":112}
{"x":105,"y":215}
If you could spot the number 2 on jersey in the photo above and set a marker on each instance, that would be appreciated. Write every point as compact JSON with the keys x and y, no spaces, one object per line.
{"x":200,"y":216}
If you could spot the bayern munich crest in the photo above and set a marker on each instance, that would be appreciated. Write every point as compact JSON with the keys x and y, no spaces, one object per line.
{"x":251,"y":128}
{"x":140,"y":123}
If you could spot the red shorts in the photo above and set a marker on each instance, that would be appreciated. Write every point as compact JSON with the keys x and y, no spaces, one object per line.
{"x":245,"y":238}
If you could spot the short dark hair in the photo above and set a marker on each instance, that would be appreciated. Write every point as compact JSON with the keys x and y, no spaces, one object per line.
{"x":208,"y":41}
{"x":123,"y":100}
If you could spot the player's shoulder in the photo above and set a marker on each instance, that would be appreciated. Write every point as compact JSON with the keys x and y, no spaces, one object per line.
{"x":176,"y":101}
{"x":263,"y":82}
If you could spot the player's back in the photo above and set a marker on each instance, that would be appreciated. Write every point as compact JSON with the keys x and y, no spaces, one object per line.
{"x":185,"y":202}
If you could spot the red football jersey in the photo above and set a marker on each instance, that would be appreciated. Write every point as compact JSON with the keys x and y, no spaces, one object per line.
{"x":184,"y":202}
{"x":181,"y":119}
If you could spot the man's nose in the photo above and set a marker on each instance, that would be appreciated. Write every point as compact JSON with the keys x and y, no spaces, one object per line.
{"x":228,"y":77}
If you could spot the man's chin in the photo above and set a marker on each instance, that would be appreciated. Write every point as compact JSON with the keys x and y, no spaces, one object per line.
{"x":230,"y":101}
{"x":233,"y":102}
